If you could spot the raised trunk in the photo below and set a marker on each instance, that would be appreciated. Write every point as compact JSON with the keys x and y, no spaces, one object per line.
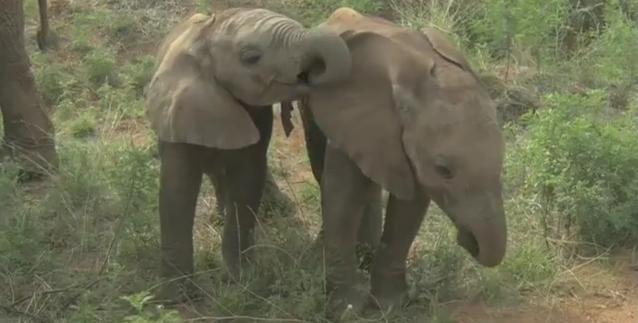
{"x":28,"y":130}
{"x":327,"y":57}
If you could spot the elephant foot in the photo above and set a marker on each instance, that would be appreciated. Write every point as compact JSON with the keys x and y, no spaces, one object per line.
{"x":347,"y":299}
{"x":49,"y":41}
{"x":26,"y":173}
{"x":364,"y":252}
{"x":388,"y":302}
{"x":389,"y":291}
{"x":237,"y":266}
{"x":345,"y":304}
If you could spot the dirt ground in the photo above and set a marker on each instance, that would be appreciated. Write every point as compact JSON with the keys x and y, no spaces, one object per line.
{"x":601,"y":300}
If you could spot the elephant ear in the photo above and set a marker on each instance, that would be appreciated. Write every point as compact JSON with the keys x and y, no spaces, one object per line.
{"x":184,"y":102}
{"x":358,"y":116}
{"x":444,"y":47}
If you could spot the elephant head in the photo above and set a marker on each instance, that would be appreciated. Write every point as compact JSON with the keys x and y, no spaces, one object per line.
{"x":415,"y":119}
{"x":210,"y":68}
{"x":452,"y":138}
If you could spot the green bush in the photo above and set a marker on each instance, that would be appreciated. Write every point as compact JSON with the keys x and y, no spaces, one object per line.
{"x":50,"y":78}
{"x":140,"y":72}
{"x":124,"y":28}
{"x":613,"y":58}
{"x":446,"y":15}
{"x":84,"y":125}
{"x":99,"y":66}
{"x":578,"y":162}
{"x":536,"y":25}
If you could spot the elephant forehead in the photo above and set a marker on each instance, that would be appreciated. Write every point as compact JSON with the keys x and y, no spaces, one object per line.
{"x":256,"y":23}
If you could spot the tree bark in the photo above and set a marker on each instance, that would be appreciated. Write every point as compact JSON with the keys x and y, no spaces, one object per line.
{"x":28,"y":131}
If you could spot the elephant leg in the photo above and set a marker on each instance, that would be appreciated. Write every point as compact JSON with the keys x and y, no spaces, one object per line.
{"x":272,"y":194}
{"x":402,"y":222}
{"x":344,"y":194}
{"x":370,"y":230}
{"x":315,"y":141}
{"x":371,"y":223}
{"x":244,"y":183}
{"x":180,"y":181}
{"x":29,"y":133}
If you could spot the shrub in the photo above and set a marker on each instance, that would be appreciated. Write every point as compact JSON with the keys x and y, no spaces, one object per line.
{"x":50,"y":79}
{"x":117,"y":103}
{"x":83,"y":126}
{"x":578,"y":163}
{"x":99,"y":66}
{"x":613,"y":57}
{"x":139,"y":73}
{"x":535,"y":25}
{"x":124,"y":28}
{"x":447,"y":15}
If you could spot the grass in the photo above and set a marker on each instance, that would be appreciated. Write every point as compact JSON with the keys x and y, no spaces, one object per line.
{"x":83,"y":247}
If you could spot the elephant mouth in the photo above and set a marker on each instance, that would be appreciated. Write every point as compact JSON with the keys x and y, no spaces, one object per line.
{"x":297,"y":88}
{"x":304,"y":77}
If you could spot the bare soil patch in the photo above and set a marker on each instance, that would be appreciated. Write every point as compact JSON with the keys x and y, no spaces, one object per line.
{"x":602,"y":299}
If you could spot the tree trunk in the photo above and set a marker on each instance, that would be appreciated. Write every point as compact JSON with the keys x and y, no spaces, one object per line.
{"x":29,"y":133}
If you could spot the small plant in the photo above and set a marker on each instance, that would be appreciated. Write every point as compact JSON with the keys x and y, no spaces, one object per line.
{"x":51,"y":80}
{"x":160,"y":315}
{"x":139,"y":73}
{"x":530,"y":265}
{"x":203,"y":6}
{"x":81,"y":43}
{"x":133,"y":178}
{"x":99,"y":66}
{"x":83,"y":126}
{"x":446,"y":15}
{"x":83,"y":26}
{"x":124,"y":28}
{"x":117,"y":103}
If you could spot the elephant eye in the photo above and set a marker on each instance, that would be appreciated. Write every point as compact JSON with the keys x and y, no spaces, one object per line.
{"x":444,"y":171}
{"x":250,"y":56}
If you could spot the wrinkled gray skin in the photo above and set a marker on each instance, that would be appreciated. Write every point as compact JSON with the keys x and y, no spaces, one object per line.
{"x":210,"y":104}
{"x":411,"y":119}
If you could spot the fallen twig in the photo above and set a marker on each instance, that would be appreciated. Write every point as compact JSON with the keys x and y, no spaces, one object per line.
{"x":13,"y":310}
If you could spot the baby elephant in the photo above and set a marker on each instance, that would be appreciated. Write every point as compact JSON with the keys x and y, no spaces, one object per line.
{"x":210,"y":104}
{"x":412,"y":119}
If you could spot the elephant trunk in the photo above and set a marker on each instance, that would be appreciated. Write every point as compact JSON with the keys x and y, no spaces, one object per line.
{"x":326,"y":57}
{"x":484,"y":234}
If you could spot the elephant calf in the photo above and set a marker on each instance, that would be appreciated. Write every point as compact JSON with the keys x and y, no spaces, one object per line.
{"x":413,"y":119}
{"x":210,"y":104}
